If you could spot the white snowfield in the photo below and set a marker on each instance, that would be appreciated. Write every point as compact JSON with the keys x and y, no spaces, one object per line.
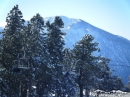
{"x":113,"y":93}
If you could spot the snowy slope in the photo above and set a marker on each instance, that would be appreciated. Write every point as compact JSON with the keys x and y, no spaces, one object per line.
{"x":114,"y":47}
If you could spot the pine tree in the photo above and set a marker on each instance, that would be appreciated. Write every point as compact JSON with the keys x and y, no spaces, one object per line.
{"x":106,"y":81}
{"x":85,"y":62}
{"x":103,"y":74}
{"x":127,"y":86}
{"x":55,"y":40}
{"x":70,"y":87}
{"x":34,"y":57}
{"x":39,"y":55}
{"x":55,"y":45}
{"x":25,"y":60}
{"x":11,"y":51}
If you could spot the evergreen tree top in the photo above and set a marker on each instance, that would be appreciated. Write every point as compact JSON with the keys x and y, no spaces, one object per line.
{"x":58,"y":22}
{"x":37,"y":19}
{"x":14,"y":21}
{"x":86,"y":46}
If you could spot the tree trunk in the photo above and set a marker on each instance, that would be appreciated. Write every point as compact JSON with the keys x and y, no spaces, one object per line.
{"x":41,"y":90}
{"x":81,"y":91}
{"x":24,"y":90}
{"x":80,"y":83}
{"x":87,"y":93}
{"x":30,"y":90}
{"x":80,"y":86}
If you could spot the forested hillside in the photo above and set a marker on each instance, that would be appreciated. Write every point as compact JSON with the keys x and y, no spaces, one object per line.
{"x":34,"y":61}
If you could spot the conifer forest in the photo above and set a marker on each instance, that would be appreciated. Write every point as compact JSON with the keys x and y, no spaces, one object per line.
{"x":35,"y":63}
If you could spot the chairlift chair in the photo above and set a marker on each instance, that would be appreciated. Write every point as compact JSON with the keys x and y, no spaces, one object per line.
{"x":23,"y":62}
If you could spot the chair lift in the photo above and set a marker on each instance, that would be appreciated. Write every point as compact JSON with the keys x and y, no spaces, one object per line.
{"x":22,"y":63}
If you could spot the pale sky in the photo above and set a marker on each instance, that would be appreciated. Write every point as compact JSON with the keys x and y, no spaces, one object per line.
{"x":110,"y":15}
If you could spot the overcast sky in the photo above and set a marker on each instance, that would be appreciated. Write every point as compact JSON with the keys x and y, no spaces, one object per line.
{"x":110,"y":15}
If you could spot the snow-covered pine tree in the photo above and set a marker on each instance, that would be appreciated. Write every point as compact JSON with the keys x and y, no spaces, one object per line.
{"x":33,"y":42}
{"x":70,"y":86}
{"x":39,"y":56}
{"x":55,"y":45}
{"x":103,"y":75}
{"x":85,"y":62}
{"x":1,"y":72}
{"x":11,"y":50}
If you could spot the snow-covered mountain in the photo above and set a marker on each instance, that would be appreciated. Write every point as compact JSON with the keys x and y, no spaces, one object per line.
{"x":1,"y":29}
{"x":114,"y":47}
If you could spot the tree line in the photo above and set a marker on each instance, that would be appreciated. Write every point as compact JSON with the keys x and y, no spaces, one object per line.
{"x":34,"y":62}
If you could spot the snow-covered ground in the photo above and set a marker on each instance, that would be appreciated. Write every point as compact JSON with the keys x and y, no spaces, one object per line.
{"x":107,"y":95}
{"x":112,"y":95}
